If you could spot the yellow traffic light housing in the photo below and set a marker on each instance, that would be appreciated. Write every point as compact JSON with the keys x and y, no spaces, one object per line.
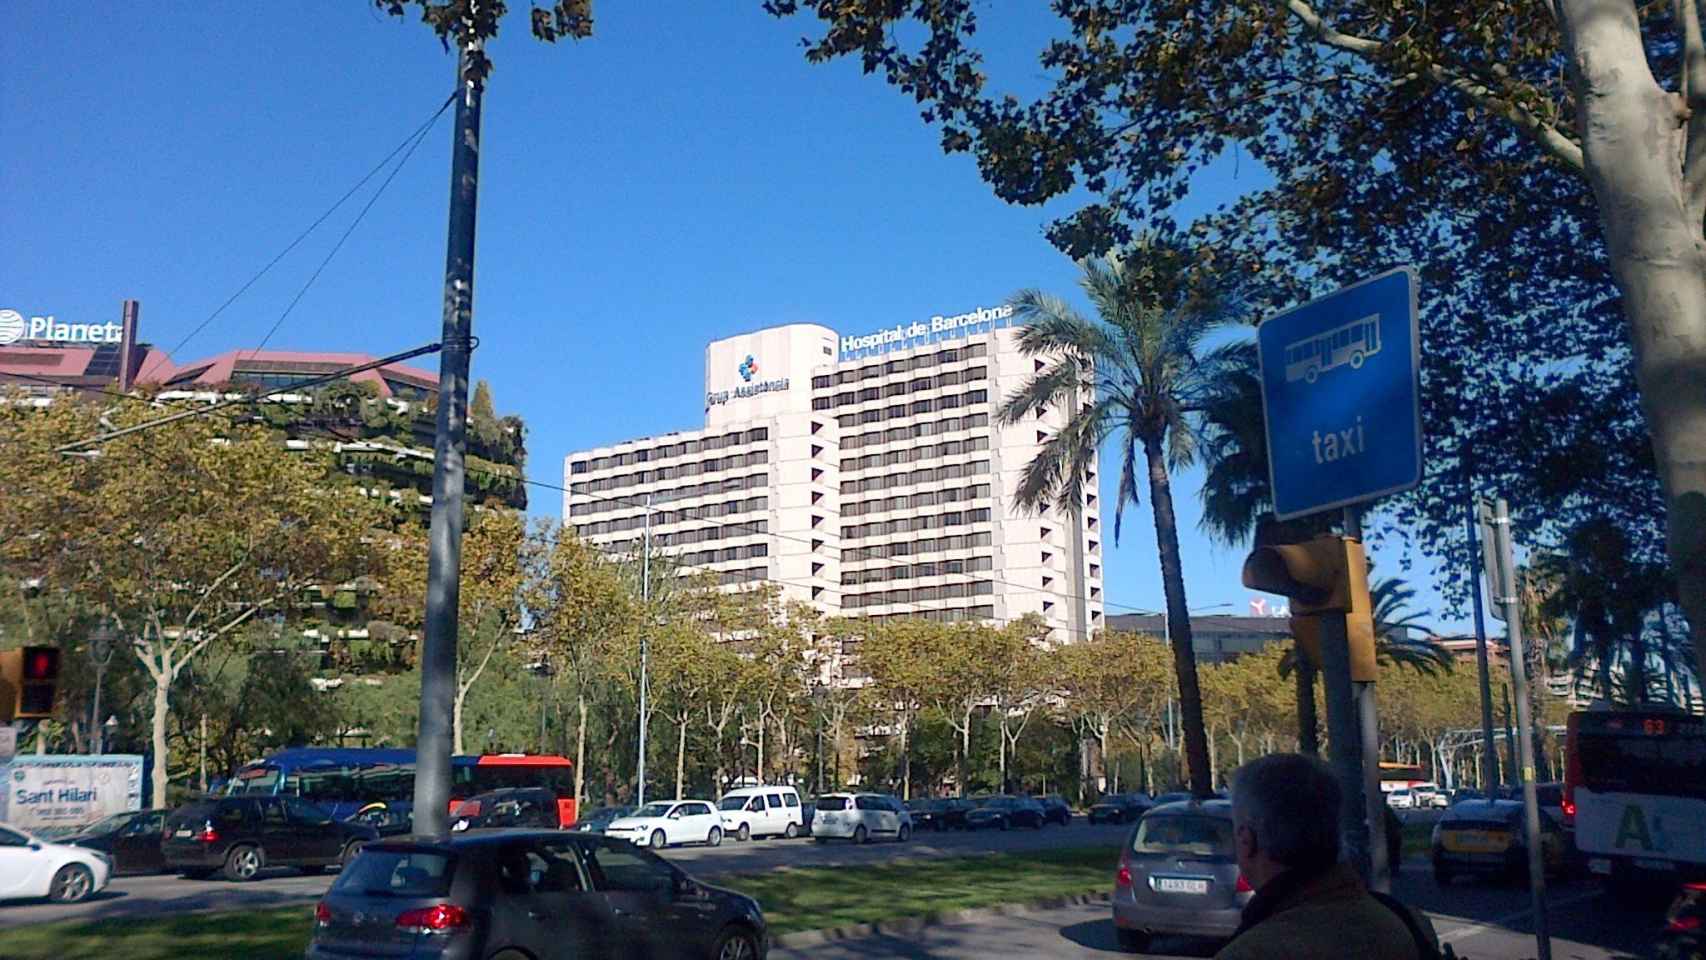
{"x":1326,"y":575}
{"x":29,"y":679}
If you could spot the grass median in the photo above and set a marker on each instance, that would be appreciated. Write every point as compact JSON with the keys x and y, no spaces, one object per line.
{"x":794,"y":899}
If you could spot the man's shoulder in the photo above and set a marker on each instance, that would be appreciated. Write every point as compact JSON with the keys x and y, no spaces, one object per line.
{"x":1322,"y":929}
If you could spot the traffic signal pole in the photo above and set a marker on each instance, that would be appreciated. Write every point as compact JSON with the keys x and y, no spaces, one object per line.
{"x":1345,"y":741}
{"x":1368,"y":723}
{"x":444,"y":548}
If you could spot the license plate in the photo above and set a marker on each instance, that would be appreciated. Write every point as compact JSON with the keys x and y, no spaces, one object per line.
{"x":181,"y":833}
{"x":1646,"y":864}
{"x":1475,"y":841}
{"x":1179,"y":885}
{"x":1600,"y":865}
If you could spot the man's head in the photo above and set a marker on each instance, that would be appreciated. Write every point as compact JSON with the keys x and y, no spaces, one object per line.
{"x":1285,"y":812}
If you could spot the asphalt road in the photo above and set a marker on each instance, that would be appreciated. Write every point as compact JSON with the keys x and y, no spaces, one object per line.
{"x":166,"y":894}
{"x":1479,"y":921}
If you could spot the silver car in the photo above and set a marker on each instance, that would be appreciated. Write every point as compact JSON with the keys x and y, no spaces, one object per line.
{"x":1178,"y":874}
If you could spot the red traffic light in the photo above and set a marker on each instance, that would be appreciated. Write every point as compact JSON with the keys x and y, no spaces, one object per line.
{"x":41,"y":663}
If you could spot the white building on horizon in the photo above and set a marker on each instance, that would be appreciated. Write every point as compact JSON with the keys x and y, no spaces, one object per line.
{"x":865,"y":475}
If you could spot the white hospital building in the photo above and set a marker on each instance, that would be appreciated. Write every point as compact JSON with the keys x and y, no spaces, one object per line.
{"x":865,"y":474}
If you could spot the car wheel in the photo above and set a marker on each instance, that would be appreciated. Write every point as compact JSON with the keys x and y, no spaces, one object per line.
{"x":792,"y":831}
{"x":350,"y":850}
{"x":859,"y":835}
{"x":659,"y":841}
{"x":715,"y":837}
{"x":71,"y":884}
{"x":744,"y":833}
{"x":1132,"y":941}
{"x":905,"y":833}
{"x":242,"y":863}
{"x":736,"y":944}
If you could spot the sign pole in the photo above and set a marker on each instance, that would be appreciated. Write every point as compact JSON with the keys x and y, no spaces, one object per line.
{"x":1368,"y":724}
{"x":1490,"y":746}
{"x":1345,"y":740}
{"x":1505,"y":585}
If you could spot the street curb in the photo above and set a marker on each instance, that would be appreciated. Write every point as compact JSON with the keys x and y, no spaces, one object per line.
{"x":907,"y":925}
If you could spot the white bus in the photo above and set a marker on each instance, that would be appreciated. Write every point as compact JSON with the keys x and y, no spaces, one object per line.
{"x":1352,"y":343}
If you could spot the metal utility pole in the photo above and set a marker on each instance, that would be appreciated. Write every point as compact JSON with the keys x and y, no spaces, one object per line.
{"x":645,"y":634}
{"x":1368,"y":722}
{"x":444,"y":552}
{"x":1345,"y":739}
{"x":1490,"y":751}
{"x":1505,"y":593}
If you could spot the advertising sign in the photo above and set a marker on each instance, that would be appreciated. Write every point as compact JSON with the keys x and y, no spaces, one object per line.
{"x":49,"y":793}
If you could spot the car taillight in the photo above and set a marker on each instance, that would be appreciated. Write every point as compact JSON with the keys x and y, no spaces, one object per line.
{"x":1683,"y":924}
{"x":1244,"y":885}
{"x":208,"y":834}
{"x":1696,"y":887}
{"x":439,"y":918}
{"x":1569,"y":807}
{"x":1123,"y":878}
{"x":322,"y":914}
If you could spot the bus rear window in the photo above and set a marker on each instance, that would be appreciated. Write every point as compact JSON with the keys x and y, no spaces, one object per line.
{"x":1633,"y":763}
{"x":253,"y":782}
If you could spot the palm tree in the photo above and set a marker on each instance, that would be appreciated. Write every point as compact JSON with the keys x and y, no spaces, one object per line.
{"x":1137,"y":372}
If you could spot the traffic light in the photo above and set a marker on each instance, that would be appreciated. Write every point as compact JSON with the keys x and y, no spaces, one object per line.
{"x":1325,"y":575}
{"x":29,"y":677}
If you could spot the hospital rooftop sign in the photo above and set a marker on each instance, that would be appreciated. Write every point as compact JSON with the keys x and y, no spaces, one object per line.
{"x":903,"y":335}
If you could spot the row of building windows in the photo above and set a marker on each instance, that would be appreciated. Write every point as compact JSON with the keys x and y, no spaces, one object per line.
{"x":665,"y":451}
{"x":688,"y":492}
{"x":953,"y":518}
{"x":715,"y":464}
{"x":914,"y":409}
{"x":883,"y":551}
{"x":945,"y":591}
{"x":910,"y":431}
{"x":926,"y":498}
{"x":900,"y":388}
{"x":907,"y":571}
{"x":731,"y":577}
{"x":679,"y":538}
{"x":983,"y":611}
{"x":929,"y":451}
{"x":664,"y":517}
{"x":970,"y":351}
{"x":725,"y":554}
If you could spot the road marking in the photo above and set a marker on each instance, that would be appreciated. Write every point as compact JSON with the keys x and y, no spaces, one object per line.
{"x":1476,"y":929}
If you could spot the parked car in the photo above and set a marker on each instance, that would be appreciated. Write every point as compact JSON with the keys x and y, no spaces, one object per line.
{"x":529,"y":893}
{"x":1684,"y":936}
{"x":243,"y":835}
{"x":1056,"y":809}
{"x":1400,"y":798}
{"x":1487,"y":837}
{"x":510,"y":807}
{"x":600,"y":819}
{"x":1429,"y":795}
{"x":940,"y":813}
{"x":1004,"y":813}
{"x":1178,"y":874}
{"x":131,"y":839}
{"x":762,"y":812}
{"x":1175,"y":796}
{"x":664,"y":822}
{"x":32,"y":867}
{"x":860,"y":817}
{"x":1119,"y":808}
{"x":1458,"y":796}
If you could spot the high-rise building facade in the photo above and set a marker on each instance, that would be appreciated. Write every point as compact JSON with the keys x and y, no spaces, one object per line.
{"x":867,"y":475}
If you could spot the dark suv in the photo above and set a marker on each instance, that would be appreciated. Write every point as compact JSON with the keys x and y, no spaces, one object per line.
{"x":243,"y":835}
{"x":529,"y":893}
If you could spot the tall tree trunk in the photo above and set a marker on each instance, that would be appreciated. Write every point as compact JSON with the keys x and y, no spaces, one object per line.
{"x":964,"y":773}
{"x":580,"y":750}
{"x":1213,"y":761}
{"x":906,"y":759}
{"x":759,"y":772}
{"x":681,"y":757}
{"x":1308,"y":726}
{"x":1004,"y":752}
{"x":1645,"y":158}
{"x":1178,"y":619}
{"x":162,"y":709}
{"x":456,"y":718}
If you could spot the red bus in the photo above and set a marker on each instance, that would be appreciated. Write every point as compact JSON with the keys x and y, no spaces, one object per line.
{"x":495,"y":771}
{"x":1635,"y":790}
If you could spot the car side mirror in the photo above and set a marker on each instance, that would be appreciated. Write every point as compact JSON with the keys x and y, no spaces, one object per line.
{"x":686,"y":889}
{"x":35,"y":846}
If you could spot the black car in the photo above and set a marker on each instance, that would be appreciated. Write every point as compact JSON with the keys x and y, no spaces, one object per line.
{"x":1056,"y":809}
{"x":131,"y":839}
{"x":597,"y":820}
{"x":529,"y":893}
{"x":1004,"y":813}
{"x":510,"y":807}
{"x":243,"y":835}
{"x":1119,"y":808}
{"x":940,"y":813}
{"x":1684,"y":937}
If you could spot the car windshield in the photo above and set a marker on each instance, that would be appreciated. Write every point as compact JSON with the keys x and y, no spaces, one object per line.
{"x":832,"y":803}
{"x":396,"y":873}
{"x":733,"y":803}
{"x":609,"y":813}
{"x":1195,"y":835}
{"x":109,"y":824}
{"x":654,"y":810}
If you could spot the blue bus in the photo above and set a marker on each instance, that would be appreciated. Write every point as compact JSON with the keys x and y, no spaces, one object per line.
{"x":378,"y":783}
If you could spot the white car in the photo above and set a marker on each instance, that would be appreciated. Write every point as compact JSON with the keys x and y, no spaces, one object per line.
{"x":1429,"y":795}
{"x":663,"y":823}
{"x":1401,"y":799}
{"x":860,"y":817}
{"x":32,"y":867}
{"x":762,"y":811}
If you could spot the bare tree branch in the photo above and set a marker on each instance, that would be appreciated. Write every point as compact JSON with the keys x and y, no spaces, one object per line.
{"x":1693,"y":87}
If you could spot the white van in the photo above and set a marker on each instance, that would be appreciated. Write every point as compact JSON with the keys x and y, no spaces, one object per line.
{"x":762,"y":811}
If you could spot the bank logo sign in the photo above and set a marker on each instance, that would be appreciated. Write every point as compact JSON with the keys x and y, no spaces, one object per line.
{"x":748,"y":368}
{"x":904,"y":335}
{"x":45,"y":329}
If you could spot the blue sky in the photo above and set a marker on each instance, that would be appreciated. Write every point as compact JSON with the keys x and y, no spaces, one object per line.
{"x":683,"y":176}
